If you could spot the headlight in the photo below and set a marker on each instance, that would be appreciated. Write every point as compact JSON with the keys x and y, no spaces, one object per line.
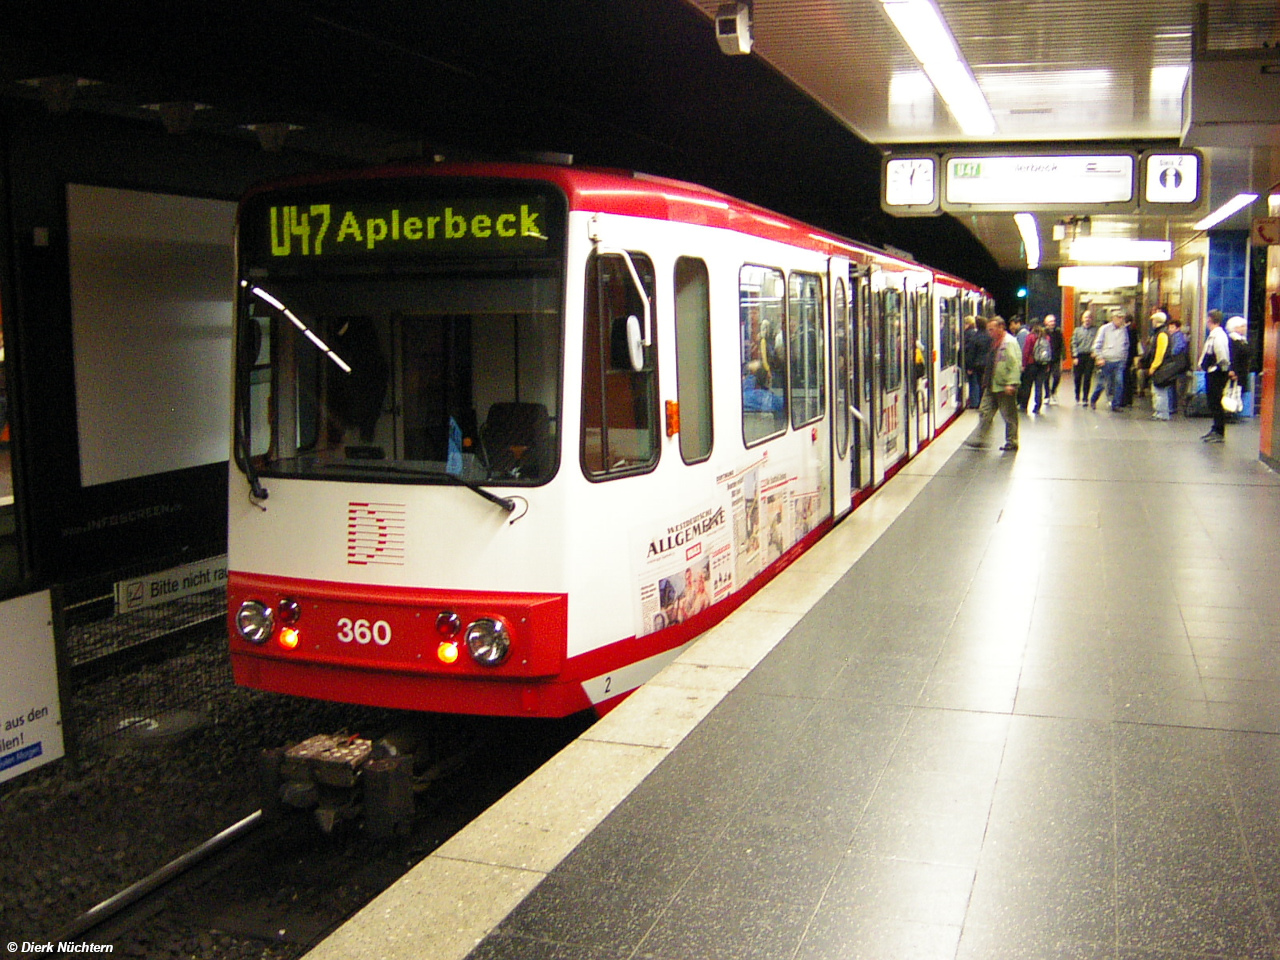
{"x":488,"y":641}
{"x":255,"y":621}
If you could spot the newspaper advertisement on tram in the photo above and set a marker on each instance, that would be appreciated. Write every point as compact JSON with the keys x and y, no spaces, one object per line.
{"x":687,"y":566}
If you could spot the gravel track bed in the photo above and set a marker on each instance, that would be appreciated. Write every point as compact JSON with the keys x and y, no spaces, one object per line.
{"x":76,"y":834}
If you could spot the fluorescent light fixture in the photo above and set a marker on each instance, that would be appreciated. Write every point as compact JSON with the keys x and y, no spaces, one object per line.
{"x":1167,"y":82}
{"x":1239,"y":201}
{"x":911,"y":100}
{"x":923,"y":29}
{"x":926,"y":33}
{"x":1097,"y":278}
{"x":1030,"y":238}
{"x":1120,"y":250}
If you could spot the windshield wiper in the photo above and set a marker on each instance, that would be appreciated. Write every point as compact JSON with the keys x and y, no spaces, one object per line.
{"x":506,"y":504}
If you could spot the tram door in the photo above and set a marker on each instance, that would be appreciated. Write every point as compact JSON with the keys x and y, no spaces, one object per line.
{"x":841,"y":394}
{"x":949,"y":370}
{"x":919,"y":363}
{"x":865,"y":378}
{"x":892,"y":383}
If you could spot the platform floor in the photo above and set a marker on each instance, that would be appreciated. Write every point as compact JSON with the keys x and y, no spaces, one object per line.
{"x":1037,"y":718}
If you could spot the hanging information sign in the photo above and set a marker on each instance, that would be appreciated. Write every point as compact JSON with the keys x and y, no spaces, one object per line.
{"x":1074,"y":182}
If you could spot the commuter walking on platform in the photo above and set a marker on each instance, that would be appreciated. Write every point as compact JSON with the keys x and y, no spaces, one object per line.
{"x":1111,"y":349}
{"x":1020,"y":332}
{"x":1000,"y":388}
{"x":1057,"y":344}
{"x":1082,"y":351}
{"x":1215,"y":361}
{"x":1036,"y":357}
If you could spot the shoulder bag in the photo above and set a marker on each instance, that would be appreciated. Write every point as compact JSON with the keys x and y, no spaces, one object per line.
{"x":1232,"y":401}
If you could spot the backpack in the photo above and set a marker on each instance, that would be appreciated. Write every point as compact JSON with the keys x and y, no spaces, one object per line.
{"x":1042,"y":352}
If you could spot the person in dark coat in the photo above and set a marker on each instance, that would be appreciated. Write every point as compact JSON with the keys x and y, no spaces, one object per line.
{"x":977,"y":348}
{"x":1131,"y":365}
{"x":1059,"y":351}
{"x":1240,"y":352}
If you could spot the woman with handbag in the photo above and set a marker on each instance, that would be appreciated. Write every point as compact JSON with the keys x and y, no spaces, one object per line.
{"x":1241,"y":361}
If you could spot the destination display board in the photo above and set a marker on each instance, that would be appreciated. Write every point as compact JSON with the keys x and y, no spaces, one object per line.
{"x":1040,"y":182}
{"x":316,"y":227}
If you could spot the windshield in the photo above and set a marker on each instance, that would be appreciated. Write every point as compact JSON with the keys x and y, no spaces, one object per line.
{"x":413,"y":365}
{"x":457,"y":374}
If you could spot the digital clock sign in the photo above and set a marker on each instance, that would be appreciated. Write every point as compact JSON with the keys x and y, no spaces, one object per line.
{"x":323,"y":229}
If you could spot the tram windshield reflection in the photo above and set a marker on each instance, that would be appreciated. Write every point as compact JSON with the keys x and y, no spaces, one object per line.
{"x":448,"y":371}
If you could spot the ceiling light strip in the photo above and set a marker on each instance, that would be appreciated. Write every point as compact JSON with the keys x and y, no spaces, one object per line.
{"x":1030,"y":237}
{"x":1239,"y":201}
{"x":931,"y":42}
{"x":1120,"y":250}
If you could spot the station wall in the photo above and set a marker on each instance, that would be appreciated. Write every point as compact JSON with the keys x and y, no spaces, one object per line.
{"x":111,"y":341}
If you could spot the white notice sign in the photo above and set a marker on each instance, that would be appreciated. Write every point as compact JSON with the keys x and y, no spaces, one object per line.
{"x":30,"y":713}
{"x":171,"y":584}
{"x":1035,"y":181}
{"x":1172,"y":178}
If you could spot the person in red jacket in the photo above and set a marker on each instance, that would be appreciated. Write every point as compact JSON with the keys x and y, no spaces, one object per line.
{"x":1037,"y":355}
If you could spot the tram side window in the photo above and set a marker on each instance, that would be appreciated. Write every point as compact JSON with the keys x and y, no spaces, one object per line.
{"x":619,"y":403}
{"x":808,"y":370}
{"x":762,"y":322}
{"x":891,"y":310}
{"x":948,"y":344}
{"x":693,"y":358}
{"x":255,"y":344}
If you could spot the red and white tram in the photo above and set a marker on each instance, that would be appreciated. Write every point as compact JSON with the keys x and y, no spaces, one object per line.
{"x":509,"y":436}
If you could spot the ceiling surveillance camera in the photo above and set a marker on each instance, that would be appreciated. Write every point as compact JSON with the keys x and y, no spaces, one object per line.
{"x":733,"y":28}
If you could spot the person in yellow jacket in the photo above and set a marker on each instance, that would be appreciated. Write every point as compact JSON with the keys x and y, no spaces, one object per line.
{"x":1159,"y":352}
{"x":1000,"y":388}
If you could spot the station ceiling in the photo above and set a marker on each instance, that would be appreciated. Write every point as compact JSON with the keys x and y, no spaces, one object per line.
{"x":1058,"y":74}
{"x":798,"y":126}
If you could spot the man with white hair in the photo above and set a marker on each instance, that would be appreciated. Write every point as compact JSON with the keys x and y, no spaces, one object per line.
{"x":1240,"y":351}
{"x":1111,"y":349}
{"x":1082,"y":351}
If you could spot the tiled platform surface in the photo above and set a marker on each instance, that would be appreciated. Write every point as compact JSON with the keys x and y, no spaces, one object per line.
{"x":1037,"y":718}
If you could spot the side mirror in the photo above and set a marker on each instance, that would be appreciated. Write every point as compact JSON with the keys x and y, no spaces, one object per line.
{"x":635,"y":343}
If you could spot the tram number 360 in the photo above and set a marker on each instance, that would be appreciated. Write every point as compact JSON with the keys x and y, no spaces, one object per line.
{"x":362,"y":631}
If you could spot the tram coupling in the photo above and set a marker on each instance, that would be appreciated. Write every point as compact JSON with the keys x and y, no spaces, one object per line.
{"x":342,"y":777}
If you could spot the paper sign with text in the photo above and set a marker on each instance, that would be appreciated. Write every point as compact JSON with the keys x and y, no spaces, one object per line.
{"x":30,"y":712}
